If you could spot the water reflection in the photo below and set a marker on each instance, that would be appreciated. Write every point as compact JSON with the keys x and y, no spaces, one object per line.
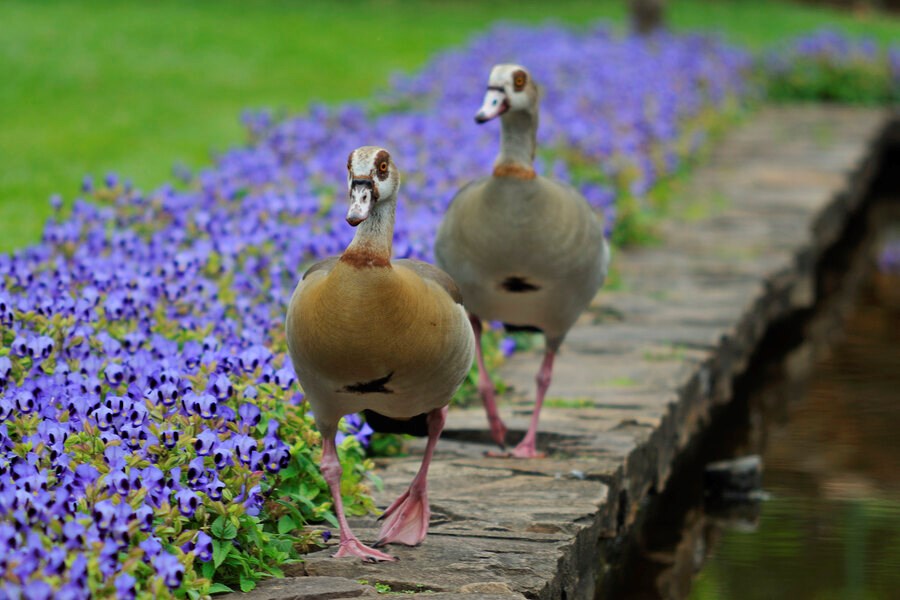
{"x":830,"y":442}
{"x":832,"y":466}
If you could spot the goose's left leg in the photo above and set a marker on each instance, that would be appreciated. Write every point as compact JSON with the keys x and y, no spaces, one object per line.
{"x":486,"y":388}
{"x":406,"y":520}
{"x":526,"y":448}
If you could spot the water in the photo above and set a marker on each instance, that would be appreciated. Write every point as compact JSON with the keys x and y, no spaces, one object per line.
{"x":828,"y":431}
{"x":832,"y":466}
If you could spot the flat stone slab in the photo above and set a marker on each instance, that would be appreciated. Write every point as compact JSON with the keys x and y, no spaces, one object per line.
{"x":309,"y":588}
{"x":636,"y":378}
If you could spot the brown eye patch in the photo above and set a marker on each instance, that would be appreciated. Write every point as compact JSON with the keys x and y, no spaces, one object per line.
{"x":520,"y":78}
{"x":382,"y":165}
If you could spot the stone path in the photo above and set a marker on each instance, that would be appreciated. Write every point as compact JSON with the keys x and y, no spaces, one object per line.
{"x":637,"y":377}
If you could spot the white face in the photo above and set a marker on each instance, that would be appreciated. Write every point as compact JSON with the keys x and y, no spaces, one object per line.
{"x":509,"y":88}
{"x":372,"y":177}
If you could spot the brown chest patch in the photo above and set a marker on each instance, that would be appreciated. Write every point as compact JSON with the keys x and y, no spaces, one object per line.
{"x":514,"y":171}
{"x":364,"y":260}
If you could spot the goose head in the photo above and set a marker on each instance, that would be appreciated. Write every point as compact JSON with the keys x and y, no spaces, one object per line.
{"x":373,"y":179}
{"x":510,"y":88}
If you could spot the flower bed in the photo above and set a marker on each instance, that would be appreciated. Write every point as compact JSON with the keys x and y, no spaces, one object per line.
{"x":152,"y":437}
{"x":829,"y":65}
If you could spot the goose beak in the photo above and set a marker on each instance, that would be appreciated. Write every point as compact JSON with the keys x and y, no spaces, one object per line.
{"x":360,"y":203}
{"x":495,"y":104}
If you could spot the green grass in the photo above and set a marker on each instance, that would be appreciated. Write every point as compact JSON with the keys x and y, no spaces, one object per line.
{"x":134,"y":87}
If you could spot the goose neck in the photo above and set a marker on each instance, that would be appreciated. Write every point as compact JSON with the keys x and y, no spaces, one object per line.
{"x":518,"y":140}
{"x":372,"y":243}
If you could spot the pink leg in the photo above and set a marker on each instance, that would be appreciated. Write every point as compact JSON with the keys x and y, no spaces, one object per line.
{"x":486,"y":388}
{"x":331,"y":471}
{"x":526,"y":448}
{"x":406,"y":520}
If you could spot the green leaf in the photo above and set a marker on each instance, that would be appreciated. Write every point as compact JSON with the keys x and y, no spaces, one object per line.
{"x":286,"y":524}
{"x":220,"y":552}
{"x":217,"y":527}
{"x":290,"y":471}
{"x":208,"y":569}
{"x":223,"y":528}
{"x":217,"y":588}
{"x":247,"y":584}
{"x":230,"y":531}
{"x":332,"y":520}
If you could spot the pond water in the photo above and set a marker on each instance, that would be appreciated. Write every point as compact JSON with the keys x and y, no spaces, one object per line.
{"x":829,"y":526}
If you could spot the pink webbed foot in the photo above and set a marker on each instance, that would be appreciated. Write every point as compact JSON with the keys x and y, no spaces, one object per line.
{"x":353,"y":547}
{"x":406,"y":520}
{"x":524,"y":450}
{"x":516,"y":453}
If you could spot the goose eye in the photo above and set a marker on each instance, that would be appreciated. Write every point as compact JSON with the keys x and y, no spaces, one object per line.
{"x":519,"y":80}
{"x":383,"y":166}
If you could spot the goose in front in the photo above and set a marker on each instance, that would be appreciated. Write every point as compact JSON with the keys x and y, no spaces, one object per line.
{"x":525,"y":250}
{"x":390,"y":338}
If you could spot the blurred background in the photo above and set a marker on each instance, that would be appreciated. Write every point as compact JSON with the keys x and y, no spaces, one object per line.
{"x":90,"y":87}
{"x":97,"y":86}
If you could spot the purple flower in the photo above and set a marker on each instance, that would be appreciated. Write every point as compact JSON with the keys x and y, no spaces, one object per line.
{"x":118,"y":483}
{"x":284,"y":377}
{"x":114,"y":374}
{"x":206,"y":442}
{"x":250,"y":415}
{"x":73,"y":534}
{"x":5,"y":369}
{"x":244,"y":446}
{"x":169,"y":569}
{"x":214,"y":488}
{"x":169,"y":438}
{"x":195,"y":470}
{"x":144,"y":515}
{"x":151,"y":547}
{"x":126,"y":586}
{"x":220,"y":387}
{"x":104,"y":512}
{"x":24,"y":401}
{"x":203,"y":546}
{"x":37,"y":590}
{"x":188,"y":502}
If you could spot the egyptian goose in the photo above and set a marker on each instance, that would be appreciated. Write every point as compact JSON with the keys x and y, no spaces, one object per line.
{"x":387,"y":337}
{"x":524,"y":249}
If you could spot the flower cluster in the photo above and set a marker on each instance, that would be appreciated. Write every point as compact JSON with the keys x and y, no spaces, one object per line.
{"x":150,"y":440}
{"x":829,"y":65}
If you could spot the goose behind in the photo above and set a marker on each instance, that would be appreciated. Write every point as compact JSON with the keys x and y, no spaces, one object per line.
{"x":524,"y":249}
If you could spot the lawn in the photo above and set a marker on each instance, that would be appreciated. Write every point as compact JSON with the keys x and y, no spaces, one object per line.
{"x":135,"y":87}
